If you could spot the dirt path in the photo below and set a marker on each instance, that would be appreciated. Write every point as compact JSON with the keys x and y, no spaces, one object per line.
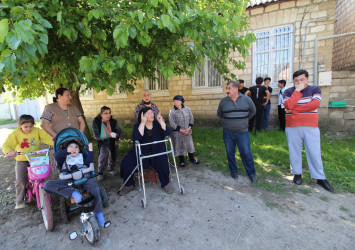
{"x":216,"y":212}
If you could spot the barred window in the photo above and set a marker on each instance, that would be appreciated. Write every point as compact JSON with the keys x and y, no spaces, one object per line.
{"x":160,"y":83}
{"x":273,"y":54}
{"x":207,"y":76}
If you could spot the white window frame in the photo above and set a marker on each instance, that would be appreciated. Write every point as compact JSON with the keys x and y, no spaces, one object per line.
{"x":268,"y":68}
{"x":156,"y":90}
{"x":206,"y":88}
{"x":117,"y":93}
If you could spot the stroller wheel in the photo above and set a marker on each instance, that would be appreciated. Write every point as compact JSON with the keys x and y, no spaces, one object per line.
{"x":63,"y":210}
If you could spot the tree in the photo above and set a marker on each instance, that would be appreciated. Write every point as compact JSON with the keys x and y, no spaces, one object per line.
{"x":99,"y":44}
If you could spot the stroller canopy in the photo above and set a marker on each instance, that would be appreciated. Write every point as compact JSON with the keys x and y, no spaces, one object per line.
{"x":71,"y":134}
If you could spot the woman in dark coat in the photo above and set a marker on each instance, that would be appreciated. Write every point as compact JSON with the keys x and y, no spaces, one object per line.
{"x":148,"y":129}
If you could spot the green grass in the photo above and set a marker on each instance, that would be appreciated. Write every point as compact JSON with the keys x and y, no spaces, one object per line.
{"x":270,"y":152}
{"x":324,"y":198}
{"x":4,"y":122}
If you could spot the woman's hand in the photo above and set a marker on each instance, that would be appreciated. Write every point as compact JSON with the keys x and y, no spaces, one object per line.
{"x":161,"y":121}
{"x":143,"y":118}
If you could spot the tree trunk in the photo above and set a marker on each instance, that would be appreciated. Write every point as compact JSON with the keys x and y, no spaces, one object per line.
{"x":76,"y":101}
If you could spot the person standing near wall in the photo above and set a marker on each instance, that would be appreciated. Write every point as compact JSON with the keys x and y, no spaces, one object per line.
{"x":242,"y":88}
{"x":257,"y":94}
{"x":235,"y":110}
{"x":280,"y":107}
{"x":301,"y":103}
{"x":146,"y":102}
{"x":267,"y":106}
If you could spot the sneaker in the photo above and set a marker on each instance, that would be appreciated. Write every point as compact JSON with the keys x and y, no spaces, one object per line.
{"x":125,"y":190}
{"x":234,"y":175}
{"x":100,"y":177}
{"x":107,"y":224}
{"x":168,"y":188}
{"x":325,"y":185}
{"x":113,"y":172}
{"x":19,"y":206}
{"x":297,"y":179}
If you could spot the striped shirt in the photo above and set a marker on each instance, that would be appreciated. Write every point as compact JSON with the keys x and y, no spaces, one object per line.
{"x":236,"y":115}
{"x":303,"y":105}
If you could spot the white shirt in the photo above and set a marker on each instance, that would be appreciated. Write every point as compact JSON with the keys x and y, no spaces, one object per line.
{"x":280,"y":101}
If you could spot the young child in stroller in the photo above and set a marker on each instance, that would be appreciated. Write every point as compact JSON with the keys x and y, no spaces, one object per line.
{"x":74,"y":167}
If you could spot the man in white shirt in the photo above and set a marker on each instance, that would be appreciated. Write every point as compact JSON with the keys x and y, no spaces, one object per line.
{"x":281,"y":108}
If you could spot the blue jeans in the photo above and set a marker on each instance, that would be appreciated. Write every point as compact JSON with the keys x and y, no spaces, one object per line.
{"x":231,"y":139}
{"x":266,"y":115}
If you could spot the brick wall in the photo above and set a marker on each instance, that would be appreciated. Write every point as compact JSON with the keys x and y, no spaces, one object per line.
{"x":204,"y":104}
{"x":344,"y":52}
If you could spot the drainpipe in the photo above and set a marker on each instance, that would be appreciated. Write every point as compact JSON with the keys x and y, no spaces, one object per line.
{"x":305,"y":36}
{"x":316,"y":52}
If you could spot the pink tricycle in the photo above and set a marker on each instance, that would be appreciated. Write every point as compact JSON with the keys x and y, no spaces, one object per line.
{"x":38,"y":172}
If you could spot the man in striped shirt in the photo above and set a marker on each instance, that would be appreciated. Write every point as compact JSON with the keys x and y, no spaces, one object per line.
{"x":236,"y":110}
{"x":301,"y":103}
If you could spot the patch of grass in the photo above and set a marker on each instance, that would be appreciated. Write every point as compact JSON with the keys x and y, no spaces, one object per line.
{"x":271,"y":204}
{"x":4,"y":122}
{"x":324,"y":198}
{"x":270,"y":152}
{"x":304,"y":191}
{"x":270,"y":186}
{"x":342,"y":217}
{"x":342,"y":208}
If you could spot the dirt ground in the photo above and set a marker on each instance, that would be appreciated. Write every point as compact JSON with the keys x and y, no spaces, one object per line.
{"x":216,"y":212}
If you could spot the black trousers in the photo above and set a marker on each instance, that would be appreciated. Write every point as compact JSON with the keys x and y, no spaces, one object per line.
{"x":281,"y":112}
{"x":258,"y":117}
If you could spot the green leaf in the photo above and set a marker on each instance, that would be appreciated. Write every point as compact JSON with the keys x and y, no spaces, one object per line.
{"x":1,"y":66}
{"x":121,"y":62}
{"x":109,"y":91}
{"x":165,"y":19}
{"x":4,"y":29}
{"x":154,"y":3}
{"x":132,"y":32}
{"x":9,"y":59}
{"x":43,"y":38}
{"x":23,"y":28}
{"x":96,"y":14}
{"x":140,"y":16}
{"x":13,"y":41}
{"x":90,"y":15}
{"x":59,"y":16}
{"x":15,"y":81}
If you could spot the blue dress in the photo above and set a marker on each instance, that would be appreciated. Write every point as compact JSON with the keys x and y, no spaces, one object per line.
{"x":160,"y":163}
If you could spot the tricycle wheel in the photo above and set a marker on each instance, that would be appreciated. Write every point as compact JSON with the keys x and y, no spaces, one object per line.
{"x":46,"y":209}
{"x":92,"y":230}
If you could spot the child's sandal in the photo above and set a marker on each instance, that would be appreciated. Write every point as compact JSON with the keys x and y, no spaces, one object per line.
{"x":107,"y":224}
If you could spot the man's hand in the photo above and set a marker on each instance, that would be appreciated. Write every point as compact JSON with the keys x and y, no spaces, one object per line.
{"x":300,"y":86}
{"x":288,"y":111}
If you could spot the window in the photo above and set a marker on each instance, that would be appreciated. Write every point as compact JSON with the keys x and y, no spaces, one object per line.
{"x":273,"y":54}
{"x":159,"y":83}
{"x":86,"y":94}
{"x":207,"y":76}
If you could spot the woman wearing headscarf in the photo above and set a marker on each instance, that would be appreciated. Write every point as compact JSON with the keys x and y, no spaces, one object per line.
{"x":181,"y":122}
{"x":146,"y":130}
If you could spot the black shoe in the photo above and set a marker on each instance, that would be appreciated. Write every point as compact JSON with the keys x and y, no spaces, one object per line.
{"x":253,"y":179}
{"x":325,"y":185}
{"x":194,"y":161}
{"x":297,"y":179}
{"x":234,"y":175}
{"x":182,"y":165}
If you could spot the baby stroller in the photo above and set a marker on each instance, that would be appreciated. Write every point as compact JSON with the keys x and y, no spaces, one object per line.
{"x":90,"y":228}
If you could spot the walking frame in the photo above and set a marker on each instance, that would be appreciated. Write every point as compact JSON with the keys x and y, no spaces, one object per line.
{"x":139,"y":166}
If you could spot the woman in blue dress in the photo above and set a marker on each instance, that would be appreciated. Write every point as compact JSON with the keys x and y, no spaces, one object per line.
{"x":148,"y":129}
